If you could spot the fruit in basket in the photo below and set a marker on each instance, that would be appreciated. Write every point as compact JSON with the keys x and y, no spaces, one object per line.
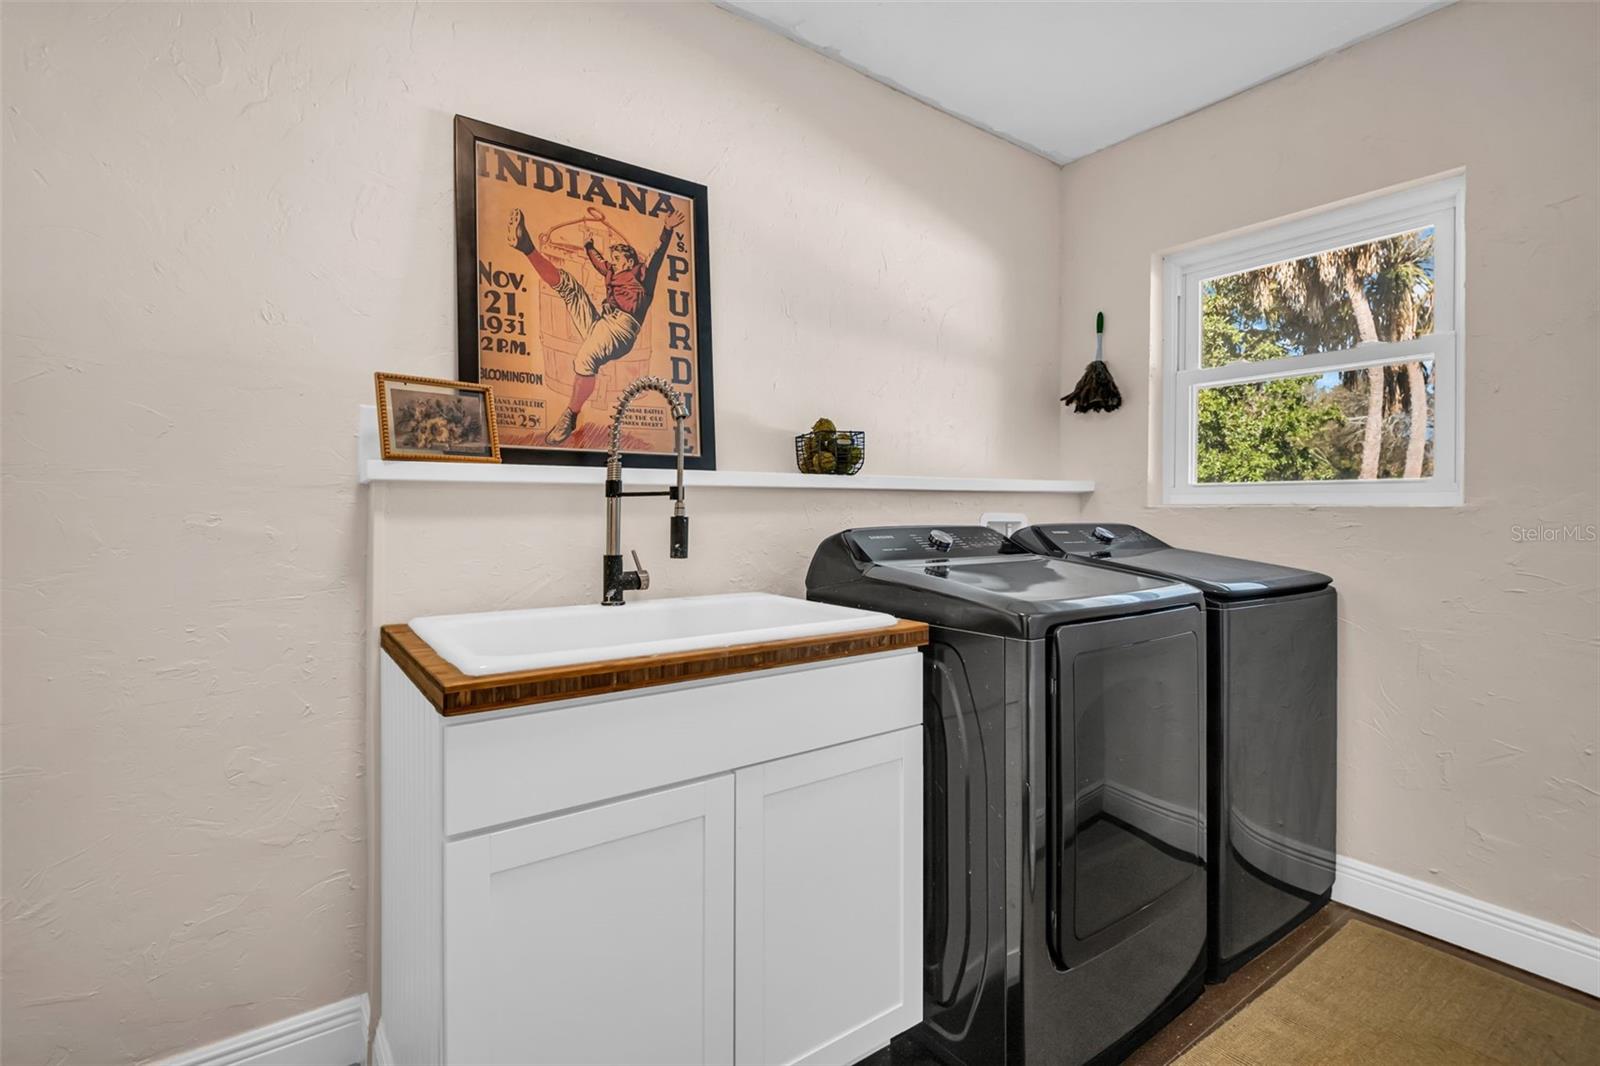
{"x":827,"y":449}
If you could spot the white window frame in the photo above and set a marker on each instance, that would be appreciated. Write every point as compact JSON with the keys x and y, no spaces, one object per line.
{"x":1439,"y":203}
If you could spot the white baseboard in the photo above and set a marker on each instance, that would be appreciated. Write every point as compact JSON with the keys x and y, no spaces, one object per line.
{"x":1563,"y":955}
{"x":382,"y":1053}
{"x":335,"y":1035}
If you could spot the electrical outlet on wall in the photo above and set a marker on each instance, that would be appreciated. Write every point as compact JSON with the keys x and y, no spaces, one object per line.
{"x":1005,"y":522}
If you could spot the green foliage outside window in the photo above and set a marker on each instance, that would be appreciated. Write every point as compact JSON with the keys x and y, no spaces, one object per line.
{"x":1262,"y":431}
{"x":1318,"y":427}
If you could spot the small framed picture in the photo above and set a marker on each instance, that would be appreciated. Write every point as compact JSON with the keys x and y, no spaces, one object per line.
{"x":430,"y":418}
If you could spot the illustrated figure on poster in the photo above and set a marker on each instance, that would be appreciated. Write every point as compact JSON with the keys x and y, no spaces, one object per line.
{"x":609,"y":331}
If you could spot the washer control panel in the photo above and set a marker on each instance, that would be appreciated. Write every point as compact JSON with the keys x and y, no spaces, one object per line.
{"x":888,"y":544}
{"x":1107,"y":538}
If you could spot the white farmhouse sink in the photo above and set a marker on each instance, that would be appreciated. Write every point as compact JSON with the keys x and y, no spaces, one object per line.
{"x":499,"y":642}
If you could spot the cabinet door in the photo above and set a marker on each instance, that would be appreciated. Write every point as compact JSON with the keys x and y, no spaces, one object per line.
{"x":829,"y":929}
{"x":602,"y":936}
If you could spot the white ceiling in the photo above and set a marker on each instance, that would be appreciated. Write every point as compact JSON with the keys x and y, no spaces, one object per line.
{"x":1066,"y":79}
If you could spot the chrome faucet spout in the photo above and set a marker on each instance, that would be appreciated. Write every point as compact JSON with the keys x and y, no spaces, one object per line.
{"x":615,"y":580}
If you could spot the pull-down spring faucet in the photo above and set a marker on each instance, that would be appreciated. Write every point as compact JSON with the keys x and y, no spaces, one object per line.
{"x":616,"y":580}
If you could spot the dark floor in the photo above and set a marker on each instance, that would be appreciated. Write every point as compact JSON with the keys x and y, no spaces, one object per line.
{"x":1218,"y":1003}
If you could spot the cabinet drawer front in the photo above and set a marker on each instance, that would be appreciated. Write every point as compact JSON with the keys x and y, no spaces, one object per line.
{"x":601,"y":936}
{"x":508,"y":768}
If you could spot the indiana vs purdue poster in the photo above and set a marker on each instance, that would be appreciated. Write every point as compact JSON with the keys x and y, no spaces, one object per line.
{"x":577,"y":275}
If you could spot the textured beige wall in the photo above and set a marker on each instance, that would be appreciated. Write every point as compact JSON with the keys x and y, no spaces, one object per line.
{"x":218,"y":221}
{"x":1468,"y":704}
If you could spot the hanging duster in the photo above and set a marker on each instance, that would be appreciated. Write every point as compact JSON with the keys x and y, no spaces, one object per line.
{"x":1096,"y":390}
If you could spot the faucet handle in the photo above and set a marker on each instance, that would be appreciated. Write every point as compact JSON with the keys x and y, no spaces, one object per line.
{"x":638,"y":568}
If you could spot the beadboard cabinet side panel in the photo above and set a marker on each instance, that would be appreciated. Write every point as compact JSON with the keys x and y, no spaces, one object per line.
{"x":411,"y":742}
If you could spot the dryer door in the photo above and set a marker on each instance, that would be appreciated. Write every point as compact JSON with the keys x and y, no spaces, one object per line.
{"x":1127,"y":744}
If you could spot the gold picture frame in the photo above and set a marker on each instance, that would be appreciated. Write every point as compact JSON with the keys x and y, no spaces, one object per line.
{"x":436,"y":420}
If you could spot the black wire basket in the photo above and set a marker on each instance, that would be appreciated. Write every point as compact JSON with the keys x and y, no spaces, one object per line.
{"x":842,"y":451}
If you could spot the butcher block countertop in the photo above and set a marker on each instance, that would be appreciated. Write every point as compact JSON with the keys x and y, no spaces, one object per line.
{"x":453,"y":693}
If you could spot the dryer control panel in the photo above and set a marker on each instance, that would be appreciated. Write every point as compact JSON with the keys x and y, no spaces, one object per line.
{"x":1105,"y":538}
{"x":890,"y":544}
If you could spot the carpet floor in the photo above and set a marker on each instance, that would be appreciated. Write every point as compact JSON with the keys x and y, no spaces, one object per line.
{"x":1367,"y":997}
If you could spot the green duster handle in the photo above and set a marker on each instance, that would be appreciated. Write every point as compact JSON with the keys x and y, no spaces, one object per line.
{"x":1096,"y":390}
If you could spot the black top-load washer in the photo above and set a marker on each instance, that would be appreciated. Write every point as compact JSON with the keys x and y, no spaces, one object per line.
{"x":1273,"y":670}
{"x":1065,"y":724}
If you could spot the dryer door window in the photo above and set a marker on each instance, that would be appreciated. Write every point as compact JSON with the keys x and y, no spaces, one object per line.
{"x":1127,"y":748}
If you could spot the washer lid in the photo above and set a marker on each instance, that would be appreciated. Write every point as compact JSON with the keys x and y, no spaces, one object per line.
{"x":1131,"y":549}
{"x":973,"y":578}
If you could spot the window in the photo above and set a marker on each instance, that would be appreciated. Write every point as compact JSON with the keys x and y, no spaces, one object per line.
{"x":1318,"y":361}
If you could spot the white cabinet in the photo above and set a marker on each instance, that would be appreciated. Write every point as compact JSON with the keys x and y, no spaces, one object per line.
{"x":702,"y":873}
{"x":829,"y":927}
{"x":603,"y":936}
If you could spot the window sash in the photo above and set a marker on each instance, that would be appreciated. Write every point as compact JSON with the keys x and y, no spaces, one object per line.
{"x":1437,"y":204}
{"x":1442,"y":488}
{"x":1432,"y":205}
{"x":1440,"y":349}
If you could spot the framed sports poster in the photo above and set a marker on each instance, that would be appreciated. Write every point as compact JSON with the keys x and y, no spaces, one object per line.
{"x":575,"y":276}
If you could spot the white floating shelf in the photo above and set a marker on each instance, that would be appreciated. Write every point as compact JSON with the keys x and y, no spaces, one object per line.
{"x":369,"y":468}
{"x":519,"y":474}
